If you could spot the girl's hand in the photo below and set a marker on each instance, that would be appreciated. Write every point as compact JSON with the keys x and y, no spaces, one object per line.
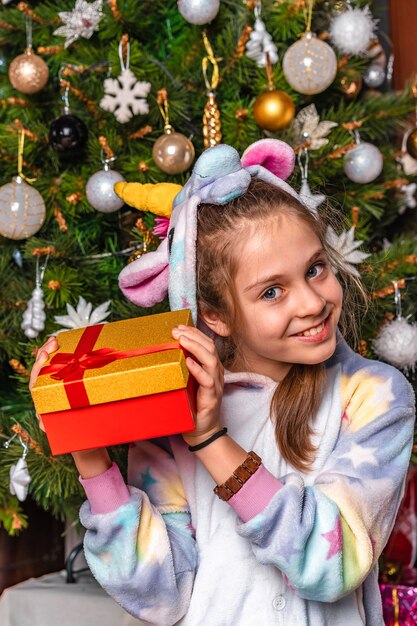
{"x":209,"y":374}
{"x":41,"y":357}
{"x":89,"y":462}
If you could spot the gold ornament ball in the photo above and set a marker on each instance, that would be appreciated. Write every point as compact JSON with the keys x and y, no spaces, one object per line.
{"x":28,"y":73}
{"x":173,"y":153}
{"x":351,"y":84}
{"x":273,"y":110}
{"x":412,"y":144}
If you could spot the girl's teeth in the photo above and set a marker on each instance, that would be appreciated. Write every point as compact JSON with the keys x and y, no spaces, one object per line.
{"x":313,"y":331}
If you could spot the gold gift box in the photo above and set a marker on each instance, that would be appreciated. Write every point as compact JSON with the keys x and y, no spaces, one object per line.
{"x":123,"y":378}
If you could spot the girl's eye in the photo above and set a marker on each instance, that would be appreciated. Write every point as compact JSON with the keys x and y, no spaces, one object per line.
{"x":272,"y":293}
{"x":316,"y":270}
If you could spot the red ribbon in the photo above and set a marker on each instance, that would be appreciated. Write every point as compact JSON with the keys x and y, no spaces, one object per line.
{"x":70,"y":366}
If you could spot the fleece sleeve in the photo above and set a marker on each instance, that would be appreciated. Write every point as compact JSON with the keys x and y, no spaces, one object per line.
{"x":140,"y":546}
{"x":327,"y":537}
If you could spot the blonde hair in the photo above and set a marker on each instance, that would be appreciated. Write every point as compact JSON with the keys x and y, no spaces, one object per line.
{"x":297,"y":398}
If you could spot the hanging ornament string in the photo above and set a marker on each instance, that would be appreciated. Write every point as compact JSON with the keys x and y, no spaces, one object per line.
{"x":28,"y":32}
{"x":308,"y":14}
{"x":65,"y":85}
{"x":162,"y":102}
{"x":211,"y":116}
{"x":21,"y":146}
{"x":303,"y":166}
{"x":210,"y":58}
{"x":397,"y":300}
{"x":269,"y":71}
{"x":124,"y":47}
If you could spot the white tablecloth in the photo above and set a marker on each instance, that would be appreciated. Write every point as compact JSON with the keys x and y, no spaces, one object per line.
{"x":50,"y":601}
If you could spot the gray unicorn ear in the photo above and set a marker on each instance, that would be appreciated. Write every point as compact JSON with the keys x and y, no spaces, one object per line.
{"x":213,"y":166}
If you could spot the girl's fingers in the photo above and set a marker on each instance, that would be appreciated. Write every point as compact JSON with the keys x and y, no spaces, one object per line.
{"x":197,"y":335}
{"x":41,"y":357}
{"x":202,"y":354}
{"x":203,"y":378}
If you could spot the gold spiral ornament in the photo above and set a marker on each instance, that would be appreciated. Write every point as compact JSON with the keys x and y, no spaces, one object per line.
{"x":211,"y":117}
{"x":211,"y":122}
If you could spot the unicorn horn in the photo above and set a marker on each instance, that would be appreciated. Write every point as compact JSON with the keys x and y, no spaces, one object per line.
{"x":156,"y":198}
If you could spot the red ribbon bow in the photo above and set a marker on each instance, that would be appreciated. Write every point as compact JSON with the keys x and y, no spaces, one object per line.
{"x":70,"y":367}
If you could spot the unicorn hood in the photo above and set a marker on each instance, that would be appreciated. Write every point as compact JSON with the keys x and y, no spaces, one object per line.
{"x":219,"y":176}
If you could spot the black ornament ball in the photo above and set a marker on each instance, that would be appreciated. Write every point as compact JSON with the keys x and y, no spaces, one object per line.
{"x":67,"y":133}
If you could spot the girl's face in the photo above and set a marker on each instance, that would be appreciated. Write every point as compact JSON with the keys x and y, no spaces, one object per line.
{"x":288,"y":298}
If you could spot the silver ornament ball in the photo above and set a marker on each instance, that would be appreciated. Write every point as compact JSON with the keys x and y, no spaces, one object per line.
{"x":374,"y":76}
{"x":22,"y":210}
{"x":173,"y":153}
{"x":363,"y":163}
{"x":310,"y":65}
{"x":396,"y":343}
{"x":199,"y":11}
{"x":100,"y":191}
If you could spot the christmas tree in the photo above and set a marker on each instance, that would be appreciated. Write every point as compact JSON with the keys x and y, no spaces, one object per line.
{"x":149,"y":84}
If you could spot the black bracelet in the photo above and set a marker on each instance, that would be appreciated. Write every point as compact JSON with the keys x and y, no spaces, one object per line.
{"x":205,"y":443}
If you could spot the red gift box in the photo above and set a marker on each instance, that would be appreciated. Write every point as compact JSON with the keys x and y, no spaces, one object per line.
{"x":114,"y":383}
{"x":399,"y":604}
{"x":402,"y":544}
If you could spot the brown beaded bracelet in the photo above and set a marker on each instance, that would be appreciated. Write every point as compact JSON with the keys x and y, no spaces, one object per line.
{"x":239,"y":477}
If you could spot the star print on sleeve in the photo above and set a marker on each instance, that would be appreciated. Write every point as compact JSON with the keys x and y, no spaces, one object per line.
{"x":147,"y":479}
{"x":358,"y":455}
{"x":334,"y":537}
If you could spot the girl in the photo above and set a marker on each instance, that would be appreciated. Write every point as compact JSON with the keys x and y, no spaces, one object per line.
{"x":305,"y":442}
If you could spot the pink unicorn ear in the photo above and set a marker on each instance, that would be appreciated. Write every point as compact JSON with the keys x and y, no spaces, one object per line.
{"x":274,"y":155}
{"x":145,"y":281}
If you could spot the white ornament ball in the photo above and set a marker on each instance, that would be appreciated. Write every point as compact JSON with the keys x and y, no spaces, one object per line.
{"x":374,"y":76}
{"x":310,"y":65}
{"x":22,"y":210}
{"x":363,"y":163}
{"x":396,"y":343}
{"x":199,"y":11}
{"x":352,"y":31}
{"x":100,"y":191}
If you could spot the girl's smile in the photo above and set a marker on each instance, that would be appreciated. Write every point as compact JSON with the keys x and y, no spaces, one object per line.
{"x":316,"y":333}
{"x":288,"y":298}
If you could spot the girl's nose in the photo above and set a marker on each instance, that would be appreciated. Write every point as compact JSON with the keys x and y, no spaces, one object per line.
{"x":309,"y":302}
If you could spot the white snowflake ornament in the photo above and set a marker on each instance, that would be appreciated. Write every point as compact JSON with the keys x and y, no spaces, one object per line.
{"x":82,"y":21}
{"x":308,"y":127}
{"x":259,"y":43}
{"x":83,"y":316}
{"x":125,"y":96}
{"x":346,"y":246}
